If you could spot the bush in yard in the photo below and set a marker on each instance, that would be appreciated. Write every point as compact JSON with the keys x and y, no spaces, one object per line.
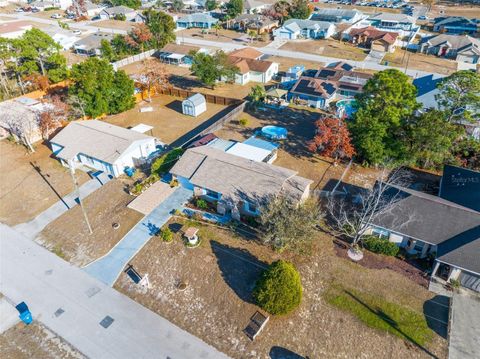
{"x":167,"y":235}
{"x":201,"y":203}
{"x":279,"y":289}
{"x":243,"y":122}
{"x":381,"y":246}
{"x":164,"y":163}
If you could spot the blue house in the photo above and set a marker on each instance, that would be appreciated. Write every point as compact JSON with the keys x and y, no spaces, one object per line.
{"x":199,"y":20}
{"x":455,"y":25}
{"x":294,"y":29}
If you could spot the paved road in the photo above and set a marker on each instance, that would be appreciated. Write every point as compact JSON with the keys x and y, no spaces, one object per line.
{"x":47,"y":283}
{"x":108,"y":268}
{"x":36,"y":225}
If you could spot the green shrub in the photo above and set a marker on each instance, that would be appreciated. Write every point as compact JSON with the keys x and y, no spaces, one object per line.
{"x":279,"y":289}
{"x":164,"y":163}
{"x":120,"y":17}
{"x":381,"y":246}
{"x":167,"y":235}
{"x":243,"y":122}
{"x":201,"y":203}
{"x":51,"y":8}
{"x":455,"y":283}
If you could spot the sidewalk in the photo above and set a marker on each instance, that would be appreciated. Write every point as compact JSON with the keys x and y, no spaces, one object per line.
{"x":36,"y":225}
{"x":79,"y":308}
{"x":108,"y":268}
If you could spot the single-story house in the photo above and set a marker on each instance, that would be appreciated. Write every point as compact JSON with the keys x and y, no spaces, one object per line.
{"x":14,"y":29}
{"x":237,"y":185}
{"x":250,"y":67}
{"x":194,"y":105}
{"x":337,"y":15}
{"x":113,"y":12}
{"x":428,"y":225}
{"x":456,"y":25}
{"x":334,"y":82}
{"x":457,"y":47}
{"x":403,"y":24}
{"x":178,"y":54}
{"x":91,"y":45}
{"x":257,"y":6}
{"x":41,"y":5}
{"x":140,"y":18}
{"x":372,"y":38}
{"x":93,"y":9}
{"x":294,"y":29}
{"x":101,"y":146}
{"x":65,"y":38}
{"x":256,"y":22}
{"x":199,"y":20}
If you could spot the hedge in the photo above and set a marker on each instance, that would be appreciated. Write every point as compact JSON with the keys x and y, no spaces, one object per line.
{"x":279,"y":289}
{"x":381,"y":246}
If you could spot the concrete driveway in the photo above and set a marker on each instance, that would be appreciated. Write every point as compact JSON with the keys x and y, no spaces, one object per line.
{"x":108,"y":268}
{"x":465,"y":327}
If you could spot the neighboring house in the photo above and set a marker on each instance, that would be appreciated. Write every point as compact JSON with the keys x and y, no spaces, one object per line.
{"x":178,"y":54}
{"x":294,"y":29}
{"x":250,"y":67}
{"x":331,"y":83}
{"x":253,"y":148}
{"x":91,"y":45}
{"x":461,"y":185}
{"x":372,"y":38}
{"x":14,"y":29}
{"x":140,"y":18}
{"x":256,"y":22}
{"x":237,"y":185}
{"x":403,"y":24}
{"x":427,"y":225}
{"x":20,"y":118}
{"x":457,"y":47}
{"x":93,"y":9}
{"x":257,"y":6}
{"x":337,"y":15}
{"x":194,"y":105}
{"x":113,"y":12}
{"x":65,"y":38}
{"x":198,"y":20}
{"x":101,"y":146}
{"x":41,"y":5}
{"x":455,"y":25}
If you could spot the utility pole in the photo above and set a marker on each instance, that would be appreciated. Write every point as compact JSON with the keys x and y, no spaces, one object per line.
{"x":77,"y":191}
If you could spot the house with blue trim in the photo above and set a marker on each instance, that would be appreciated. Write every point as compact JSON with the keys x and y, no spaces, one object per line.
{"x":198,"y":20}
{"x":456,"y":25}
{"x":238,"y":186}
{"x":402,"y":24}
{"x":337,"y":15}
{"x":101,"y":146}
{"x":294,"y":29}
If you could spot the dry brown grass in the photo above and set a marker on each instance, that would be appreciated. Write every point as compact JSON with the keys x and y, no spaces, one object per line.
{"x":224,"y":35}
{"x":24,"y":193}
{"x":68,"y":236}
{"x":114,"y":24}
{"x":332,"y":48}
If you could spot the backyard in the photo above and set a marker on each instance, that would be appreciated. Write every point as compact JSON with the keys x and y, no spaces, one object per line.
{"x":332,"y":48}
{"x":426,"y":63}
{"x":224,"y":35}
{"x":32,"y":182}
{"x":68,"y":236}
{"x":216,"y":304}
{"x":114,"y":24}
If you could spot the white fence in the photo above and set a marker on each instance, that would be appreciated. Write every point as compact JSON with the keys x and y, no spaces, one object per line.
{"x":132,"y":59}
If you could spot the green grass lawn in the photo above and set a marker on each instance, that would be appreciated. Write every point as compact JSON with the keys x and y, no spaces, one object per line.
{"x":377,"y":313}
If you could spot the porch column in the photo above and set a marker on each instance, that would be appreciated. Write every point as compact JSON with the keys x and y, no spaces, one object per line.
{"x":435,"y":268}
{"x":425,"y":249}
{"x":454,"y":274}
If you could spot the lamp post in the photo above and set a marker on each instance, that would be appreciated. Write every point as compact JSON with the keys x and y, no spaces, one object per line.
{"x":71,"y":165}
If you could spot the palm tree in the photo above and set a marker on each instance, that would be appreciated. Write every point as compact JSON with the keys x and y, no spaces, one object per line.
{"x":217,"y":27}
{"x":252,"y":34}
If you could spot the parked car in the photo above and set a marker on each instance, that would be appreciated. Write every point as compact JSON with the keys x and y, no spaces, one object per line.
{"x":56,"y":16}
{"x":18,"y":9}
{"x":76,"y":32}
{"x":35,"y":9}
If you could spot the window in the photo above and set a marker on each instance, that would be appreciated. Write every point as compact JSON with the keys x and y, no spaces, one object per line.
{"x":252,"y":207}
{"x":381,"y":233}
{"x":211,"y":194}
{"x":418,"y":246}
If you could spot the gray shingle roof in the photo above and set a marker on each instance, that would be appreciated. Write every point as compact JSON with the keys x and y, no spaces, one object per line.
{"x":457,"y":42}
{"x":197,"y":17}
{"x":340,"y":13}
{"x":297,"y":24}
{"x":387,"y":16}
{"x":453,"y":20}
{"x":96,"y":139}
{"x":462,"y":186}
{"x":93,"y":41}
{"x":426,"y":217}
{"x":118,"y":10}
{"x":236,"y":177}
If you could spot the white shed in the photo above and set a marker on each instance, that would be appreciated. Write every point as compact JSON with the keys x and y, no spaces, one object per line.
{"x":194,"y":105}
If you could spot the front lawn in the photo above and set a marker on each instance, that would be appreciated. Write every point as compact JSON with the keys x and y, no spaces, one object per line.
{"x":378,"y":313}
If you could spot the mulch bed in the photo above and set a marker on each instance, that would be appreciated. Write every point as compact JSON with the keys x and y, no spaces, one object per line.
{"x":376,"y":261}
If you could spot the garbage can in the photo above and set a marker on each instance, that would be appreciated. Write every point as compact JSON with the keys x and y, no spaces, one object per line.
{"x":25,"y":314}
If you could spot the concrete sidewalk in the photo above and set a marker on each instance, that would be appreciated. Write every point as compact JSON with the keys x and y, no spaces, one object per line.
{"x":464,"y":340}
{"x":36,"y":225}
{"x":108,"y":268}
{"x":73,"y":305}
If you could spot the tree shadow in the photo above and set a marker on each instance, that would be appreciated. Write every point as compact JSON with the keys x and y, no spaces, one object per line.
{"x":175,"y":227}
{"x":239,"y":268}
{"x":436,"y":314}
{"x":391,"y":323}
{"x":184,"y":82}
{"x":283,"y":353}
{"x":153,"y":229}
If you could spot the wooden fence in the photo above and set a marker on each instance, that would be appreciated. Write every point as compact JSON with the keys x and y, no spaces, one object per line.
{"x":219,"y":100}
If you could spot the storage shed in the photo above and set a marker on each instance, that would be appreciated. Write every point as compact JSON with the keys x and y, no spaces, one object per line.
{"x":194,"y":105}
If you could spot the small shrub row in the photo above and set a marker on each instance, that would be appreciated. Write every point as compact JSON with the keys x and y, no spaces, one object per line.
{"x":381,"y":246}
{"x":201,"y":204}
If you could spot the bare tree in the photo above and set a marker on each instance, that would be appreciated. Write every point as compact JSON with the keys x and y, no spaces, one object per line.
{"x":77,"y":107}
{"x":22,"y":125}
{"x":352,"y":216}
{"x":56,"y":112}
{"x":153,"y":77}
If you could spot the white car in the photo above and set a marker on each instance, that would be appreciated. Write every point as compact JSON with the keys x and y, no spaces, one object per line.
{"x":56,"y":16}
{"x":76,"y":32}
{"x":18,"y":9}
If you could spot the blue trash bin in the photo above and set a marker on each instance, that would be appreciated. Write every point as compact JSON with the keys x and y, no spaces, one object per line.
{"x":25,"y":314}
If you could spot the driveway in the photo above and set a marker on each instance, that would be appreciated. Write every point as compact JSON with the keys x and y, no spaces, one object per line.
{"x":465,"y":327}
{"x":36,"y":225}
{"x":94,"y":318}
{"x":108,"y":268}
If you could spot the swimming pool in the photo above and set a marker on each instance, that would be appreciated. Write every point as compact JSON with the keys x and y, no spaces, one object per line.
{"x":345,"y":108}
{"x":274,"y":132}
